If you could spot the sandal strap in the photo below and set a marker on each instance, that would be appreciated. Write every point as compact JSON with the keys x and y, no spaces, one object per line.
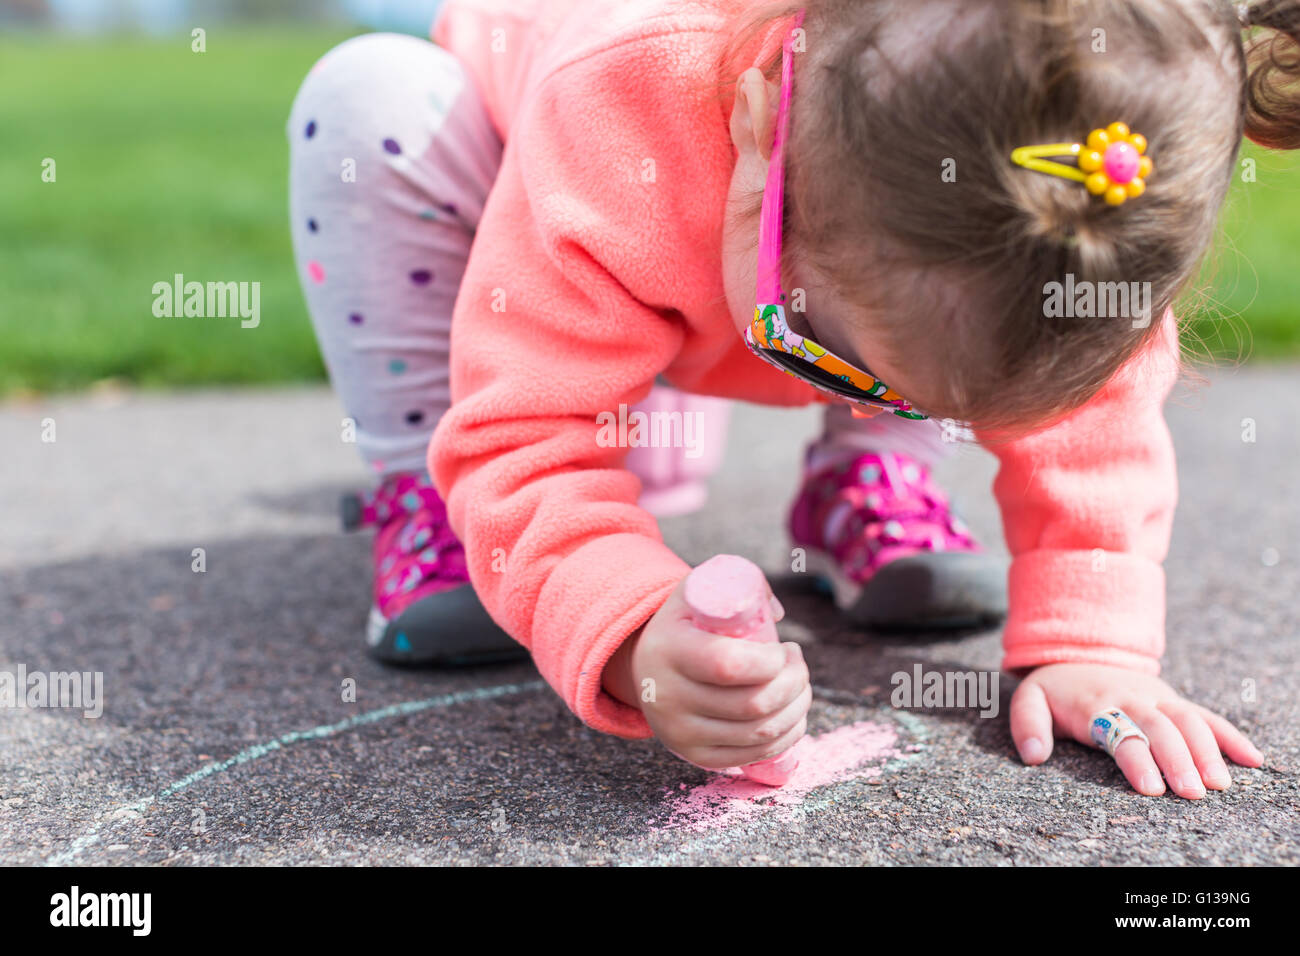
{"x":397,"y":496}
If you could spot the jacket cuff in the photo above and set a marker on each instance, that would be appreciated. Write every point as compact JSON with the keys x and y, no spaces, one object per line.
{"x":1084,"y":607}
{"x":585,"y":617}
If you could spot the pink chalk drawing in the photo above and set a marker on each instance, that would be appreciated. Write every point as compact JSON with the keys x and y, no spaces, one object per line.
{"x":846,"y":753}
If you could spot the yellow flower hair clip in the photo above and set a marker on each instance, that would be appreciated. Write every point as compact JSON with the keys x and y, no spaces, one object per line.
{"x":1111,"y":163}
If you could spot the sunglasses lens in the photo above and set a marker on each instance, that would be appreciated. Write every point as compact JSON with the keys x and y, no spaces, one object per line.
{"x":818,"y":376}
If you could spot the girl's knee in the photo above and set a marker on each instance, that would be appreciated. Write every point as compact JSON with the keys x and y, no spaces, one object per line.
{"x":342,"y":75}
{"x":351,"y":76}
{"x":367,"y":81}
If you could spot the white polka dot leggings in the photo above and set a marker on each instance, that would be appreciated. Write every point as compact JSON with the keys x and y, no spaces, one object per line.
{"x":391,"y":158}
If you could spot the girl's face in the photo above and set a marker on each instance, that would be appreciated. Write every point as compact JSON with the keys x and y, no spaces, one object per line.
{"x":828,"y":320}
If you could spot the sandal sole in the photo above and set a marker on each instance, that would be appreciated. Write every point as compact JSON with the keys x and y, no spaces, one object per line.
{"x":934,"y":589}
{"x":447,"y":629}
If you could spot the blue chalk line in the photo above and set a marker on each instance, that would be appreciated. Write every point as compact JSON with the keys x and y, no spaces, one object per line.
{"x":91,"y":836}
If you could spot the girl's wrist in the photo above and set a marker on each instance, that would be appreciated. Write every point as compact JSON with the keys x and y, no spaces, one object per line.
{"x":617,"y":678}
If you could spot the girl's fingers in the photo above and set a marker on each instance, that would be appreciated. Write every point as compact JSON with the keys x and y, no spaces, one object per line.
{"x":1231,"y":740}
{"x":1200,"y":739}
{"x":728,"y":662}
{"x":786,"y":742}
{"x":1171,"y":753}
{"x":1134,"y":760}
{"x":778,"y":609}
{"x":749,"y":703}
{"x":1132,"y":756}
{"x":722,"y":735}
{"x":1031,"y":723}
{"x":740,"y":756}
{"x":780,"y":734}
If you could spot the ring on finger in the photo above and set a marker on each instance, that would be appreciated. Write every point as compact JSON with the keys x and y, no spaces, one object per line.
{"x":1112,"y":727}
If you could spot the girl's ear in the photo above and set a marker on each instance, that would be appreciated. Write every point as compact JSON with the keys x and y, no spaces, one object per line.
{"x":753,"y":124}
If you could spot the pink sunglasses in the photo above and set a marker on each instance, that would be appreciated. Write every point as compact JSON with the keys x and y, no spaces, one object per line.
{"x":769,"y":336}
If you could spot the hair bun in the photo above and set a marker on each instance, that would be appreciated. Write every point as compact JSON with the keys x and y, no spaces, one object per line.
{"x":1273,"y":80}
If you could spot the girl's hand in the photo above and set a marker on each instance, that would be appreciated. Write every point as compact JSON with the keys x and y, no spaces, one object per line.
{"x":714,"y":701}
{"x":1059,"y":700}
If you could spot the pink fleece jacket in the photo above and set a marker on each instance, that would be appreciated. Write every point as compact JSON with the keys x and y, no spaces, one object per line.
{"x":597,"y":267}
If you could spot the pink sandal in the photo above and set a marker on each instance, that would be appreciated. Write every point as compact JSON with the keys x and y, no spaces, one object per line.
{"x":425,"y":610}
{"x":879,"y":530}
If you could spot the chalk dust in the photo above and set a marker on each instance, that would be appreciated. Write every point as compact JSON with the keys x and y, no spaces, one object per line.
{"x":853,"y":751}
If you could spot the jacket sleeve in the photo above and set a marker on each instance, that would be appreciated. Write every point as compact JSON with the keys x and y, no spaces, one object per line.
{"x":551,"y":330}
{"x":1087,"y":509}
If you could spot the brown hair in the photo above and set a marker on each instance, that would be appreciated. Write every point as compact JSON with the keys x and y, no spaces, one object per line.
{"x":958,"y":270}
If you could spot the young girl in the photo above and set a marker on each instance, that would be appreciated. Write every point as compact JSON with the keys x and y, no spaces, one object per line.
{"x":555,"y":214}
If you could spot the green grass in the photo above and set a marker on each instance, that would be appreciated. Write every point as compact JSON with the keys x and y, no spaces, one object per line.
{"x":171,"y":161}
{"x":1248,"y":303}
{"x":167,"y":161}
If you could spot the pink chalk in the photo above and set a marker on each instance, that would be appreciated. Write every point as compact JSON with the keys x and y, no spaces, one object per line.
{"x":728,"y":595}
{"x":856,"y":751}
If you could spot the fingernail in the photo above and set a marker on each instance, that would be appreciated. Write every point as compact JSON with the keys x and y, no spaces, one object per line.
{"x":1151,"y":784}
{"x":1218,"y":777}
{"x":1191,"y":786}
{"x":1032,"y":750}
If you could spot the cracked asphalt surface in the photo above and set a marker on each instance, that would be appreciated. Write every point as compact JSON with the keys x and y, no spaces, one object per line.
{"x":225,"y":739}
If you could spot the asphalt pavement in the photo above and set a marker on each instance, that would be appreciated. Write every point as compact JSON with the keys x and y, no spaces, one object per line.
{"x":226,"y":736}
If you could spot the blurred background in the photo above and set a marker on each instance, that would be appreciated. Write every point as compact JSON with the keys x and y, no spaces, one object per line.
{"x":169,"y":160}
